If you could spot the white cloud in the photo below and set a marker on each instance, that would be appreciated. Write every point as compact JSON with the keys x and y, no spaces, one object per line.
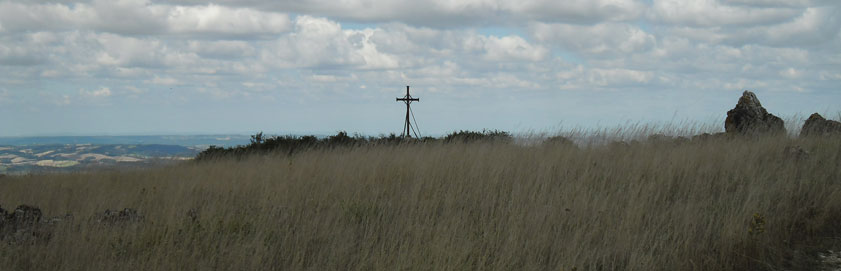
{"x":216,"y":19}
{"x":813,"y":26}
{"x":131,"y":52}
{"x":4,"y":95}
{"x":575,"y":11}
{"x":746,"y":84}
{"x":512,"y":48}
{"x":165,"y":81}
{"x":315,"y":42}
{"x":17,"y":16}
{"x":706,"y":13}
{"x":438,"y":12}
{"x":50,"y":73}
{"x":12,"y":55}
{"x":124,"y":16}
{"x":778,"y":3}
{"x":222,"y":49}
{"x":135,"y":91}
{"x":141,"y":17}
{"x":324,"y":78}
{"x":827,"y":75}
{"x":791,"y":73}
{"x":241,"y":50}
{"x":319,"y":42}
{"x":64,"y":100}
{"x":807,"y":26}
{"x":618,"y":77}
{"x":582,"y":78}
{"x":447,"y":13}
{"x":600,"y":40}
{"x":97,"y":93}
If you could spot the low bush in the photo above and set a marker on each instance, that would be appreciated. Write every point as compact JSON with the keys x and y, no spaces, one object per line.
{"x":261,"y":144}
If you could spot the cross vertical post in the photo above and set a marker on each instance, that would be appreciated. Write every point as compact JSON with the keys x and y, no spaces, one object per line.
{"x":407,"y":126}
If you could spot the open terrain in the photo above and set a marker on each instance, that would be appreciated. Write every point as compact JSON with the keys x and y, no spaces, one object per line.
{"x":40,"y":154}
{"x":709,"y":203}
{"x":75,"y":157}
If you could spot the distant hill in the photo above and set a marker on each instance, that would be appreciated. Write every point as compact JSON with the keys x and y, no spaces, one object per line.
{"x":74,"y":157}
{"x":180,"y":140}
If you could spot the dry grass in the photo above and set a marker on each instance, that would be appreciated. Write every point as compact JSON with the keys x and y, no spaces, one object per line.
{"x":645,"y":206}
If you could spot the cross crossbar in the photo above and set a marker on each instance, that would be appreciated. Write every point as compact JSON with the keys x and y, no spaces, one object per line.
{"x":408,"y":98}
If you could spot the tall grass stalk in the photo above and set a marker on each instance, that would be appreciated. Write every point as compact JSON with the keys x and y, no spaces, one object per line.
{"x":642,"y":206}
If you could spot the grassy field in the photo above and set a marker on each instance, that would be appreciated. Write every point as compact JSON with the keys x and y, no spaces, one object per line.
{"x":738,"y":204}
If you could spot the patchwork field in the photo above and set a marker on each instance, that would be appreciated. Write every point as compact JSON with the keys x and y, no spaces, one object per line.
{"x":38,"y":158}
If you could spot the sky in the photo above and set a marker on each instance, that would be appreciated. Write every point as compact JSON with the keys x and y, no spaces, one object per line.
{"x":139,"y":67}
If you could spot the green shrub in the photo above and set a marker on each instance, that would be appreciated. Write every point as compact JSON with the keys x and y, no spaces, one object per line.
{"x":471,"y":136}
{"x":261,"y":144}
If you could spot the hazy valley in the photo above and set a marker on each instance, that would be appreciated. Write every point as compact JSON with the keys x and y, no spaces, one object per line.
{"x":21,"y":155}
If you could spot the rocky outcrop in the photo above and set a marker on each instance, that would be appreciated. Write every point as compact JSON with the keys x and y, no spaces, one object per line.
{"x":816,"y":125}
{"x":25,"y":225}
{"x":118,"y":217}
{"x":750,"y":118}
{"x":3,"y":215}
{"x":23,"y":216}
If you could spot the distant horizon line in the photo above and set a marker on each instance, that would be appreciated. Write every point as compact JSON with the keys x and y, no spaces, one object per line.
{"x":163,"y":134}
{"x":195,"y":134}
{"x":598,"y":125}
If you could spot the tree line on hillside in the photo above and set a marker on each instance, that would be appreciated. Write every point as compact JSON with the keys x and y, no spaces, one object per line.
{"x":288,"y":144}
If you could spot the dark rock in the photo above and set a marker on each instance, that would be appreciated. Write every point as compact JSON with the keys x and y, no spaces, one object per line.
{"x":57,"y":219}
{"x":750,"y":118}
{"x":3,"y":215}
{"x":117,"y":217}
{"x":23,"y":225}
{"x":24,"y":216}
{"x":27,"y":225}
{"x":816,"y":125}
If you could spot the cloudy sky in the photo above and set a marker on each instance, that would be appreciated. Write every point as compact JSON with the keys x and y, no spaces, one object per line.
{"x":318,"y":66}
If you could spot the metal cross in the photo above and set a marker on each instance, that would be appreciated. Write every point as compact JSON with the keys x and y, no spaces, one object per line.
{"x":407,"y":127}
